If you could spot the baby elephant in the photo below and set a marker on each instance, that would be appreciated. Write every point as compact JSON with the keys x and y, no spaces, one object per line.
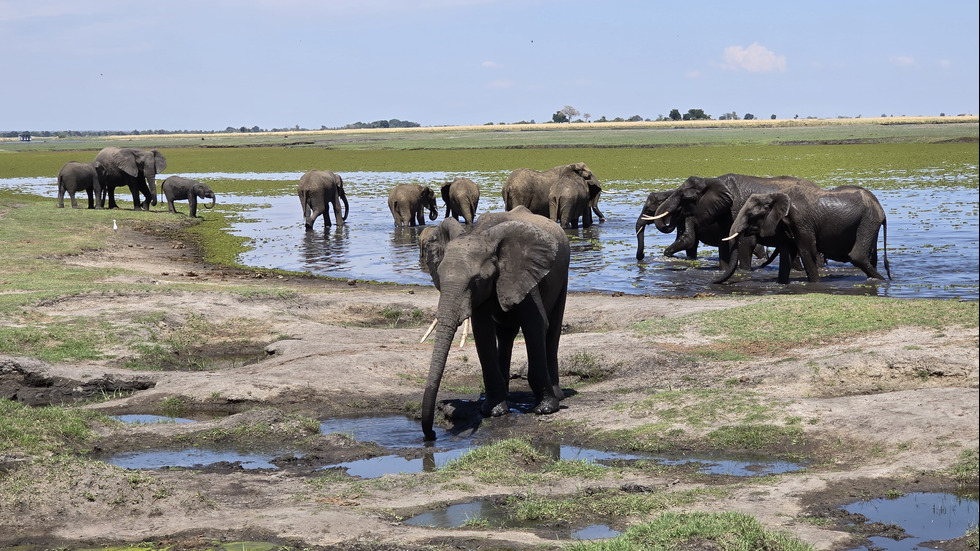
{"x":408,"y":203}
{"x":177,"y":188}
{"x":75,"y":177}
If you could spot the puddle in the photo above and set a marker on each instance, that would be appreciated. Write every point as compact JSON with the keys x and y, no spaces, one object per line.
{"x":191,"y":458}
{"x":925,"y":517}
{"x":484,"y":513}
{"x":144,"y":419}
{"x":933,"y":229}
{"x":398,"y":432}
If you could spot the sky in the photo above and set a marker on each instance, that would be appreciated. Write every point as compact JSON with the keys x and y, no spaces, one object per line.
{"x":212,"y":64}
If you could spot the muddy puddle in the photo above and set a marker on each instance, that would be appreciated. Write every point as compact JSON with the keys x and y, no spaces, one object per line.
{"x":932,"y":229}
{"x":401,"y":436}
{"x":486,"y":513}
{"x":918,"y":518}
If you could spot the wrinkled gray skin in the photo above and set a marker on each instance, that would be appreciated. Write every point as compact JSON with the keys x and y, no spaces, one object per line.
{"x":134,"y":168}
{"x":840,"y":224}
{"x":408,"y":202}
{"x":568,"y":201}
{"x":75,"y":177}
{"x":713,"y":203}
{"x":508,"y":274}
{"x":461,"y":197}
{"x":532,"y":188}
{"x":178,"y":188}
{"x":318,"y":191}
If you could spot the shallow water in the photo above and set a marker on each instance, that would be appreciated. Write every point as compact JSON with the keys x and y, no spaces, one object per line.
{"x":482,"y":512}
{"x":146,"y":419}
{"x":924,"y":517}
{"x":933,"y":246}
{"x":190,"y":458}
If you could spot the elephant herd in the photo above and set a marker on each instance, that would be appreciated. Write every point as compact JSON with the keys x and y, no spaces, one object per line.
{"x":135,"y":169}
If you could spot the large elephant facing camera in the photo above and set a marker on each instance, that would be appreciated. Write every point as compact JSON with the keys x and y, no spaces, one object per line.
{"x":318,"y":191}
{"x":408,"y":202}
{"x":75,"y":177}
{"x":508,"y":274}
{"x":178,"y":188}
{"x":713,"y":204}
{"x":532,"y":188}
{"x":461,"y":197}
{"x":838,"y":224}
{"x":134,"y":168}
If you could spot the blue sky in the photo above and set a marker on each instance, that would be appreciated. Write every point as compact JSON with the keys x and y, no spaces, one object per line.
{"x":210,"y":64}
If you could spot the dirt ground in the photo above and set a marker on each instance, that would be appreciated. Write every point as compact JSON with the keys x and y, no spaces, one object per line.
{"x":882,"y":413}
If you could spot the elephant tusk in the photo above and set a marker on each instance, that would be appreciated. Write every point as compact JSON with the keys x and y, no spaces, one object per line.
{"x":466,"y":329}
{"x":659,"y":216}
{"x":730,"y":237}
{"x":639,"y":231}
{"x":646,"y":217}
{"x":429,"y":330}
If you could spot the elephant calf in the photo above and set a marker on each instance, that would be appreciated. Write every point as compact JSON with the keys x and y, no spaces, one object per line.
{"x":407,"y":203}
{"x":177,"y":188}
{"x":461,"y":196}
{"x":75,"y":177}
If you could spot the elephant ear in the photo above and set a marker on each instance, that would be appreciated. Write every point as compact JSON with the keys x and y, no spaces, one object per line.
{"x":127,"y":163}
{"x":778,"y":212}
{"x":716,"y":199}
{"x":525,"y":254}
{"x":159,"y":161}
{"x":445,"y":192}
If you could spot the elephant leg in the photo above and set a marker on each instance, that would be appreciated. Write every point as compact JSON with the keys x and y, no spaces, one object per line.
{"x":91,"y":199}
{"x":864,"y":253}
{"x":192,"y":204}
{"x":419,"y":217}
{"x":338,"y":211}
{"x":74,"y":201}
{"x":137,"y":204}
{"x":786,"y":256}
{"x":552,"y":339}
{"x":536,"y":328}
{"x":485,"y":336}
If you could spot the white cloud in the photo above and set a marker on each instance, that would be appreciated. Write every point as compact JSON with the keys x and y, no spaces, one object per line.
{"x":755,"y":59}
{"x":491,"y":65}
{"x":902,"y":61}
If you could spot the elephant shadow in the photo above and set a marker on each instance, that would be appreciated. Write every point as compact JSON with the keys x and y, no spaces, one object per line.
{"x":464,"y":415}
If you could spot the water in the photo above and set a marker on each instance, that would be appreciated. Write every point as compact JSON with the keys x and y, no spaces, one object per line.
{"x":139,"y":418}
{"x":924,"y":517}
{"x":191,"y":458}
{"x":933,"y":244}
{"x":483,"y":512}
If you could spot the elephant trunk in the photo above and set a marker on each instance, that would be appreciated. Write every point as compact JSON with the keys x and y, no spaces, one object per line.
{"x":343,"y":197}
{"x":213,"y":201}
{"x":732,"y":264}
{"x":445,"y":331}
{"x":666,"y":210}
{"x":641,"y":224}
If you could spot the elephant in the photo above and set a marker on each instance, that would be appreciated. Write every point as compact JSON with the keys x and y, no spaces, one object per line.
{"x":568,"y":200}
{"x":317,"y":190}
{"x":509,"y":273}
{"x":687,"y":235}
{"x":408,"y":202}
{"x":838,"y":224}
{"x":532,"y":188}
{"x":713,"y":203}
{"x":75,"y":177}
{"x":134,"y":168}
{"x":461,"y":197}
{"x":177,"y":188}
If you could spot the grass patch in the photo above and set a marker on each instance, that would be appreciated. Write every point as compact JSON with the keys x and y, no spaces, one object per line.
{"x":754,"y":437}
{"x":966,"y":468}
{"x":690,"y":531}
{"x":42,"y":430}
{"x":771,"y":325}
{"x":702,"y":407}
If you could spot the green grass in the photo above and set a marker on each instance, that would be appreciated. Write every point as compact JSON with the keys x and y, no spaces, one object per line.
{"x":671,"y":531}
{"x":39,"y":430}
{"x":774,"y":324}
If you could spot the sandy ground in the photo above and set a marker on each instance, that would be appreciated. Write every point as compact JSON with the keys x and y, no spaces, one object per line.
{"x":880,"y":413}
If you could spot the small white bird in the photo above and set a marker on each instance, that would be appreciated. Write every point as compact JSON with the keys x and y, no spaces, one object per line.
{"x":114,"y":226}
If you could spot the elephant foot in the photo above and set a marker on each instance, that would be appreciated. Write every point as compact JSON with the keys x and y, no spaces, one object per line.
{"x":549,"y":404}
{"x":490,"y":409}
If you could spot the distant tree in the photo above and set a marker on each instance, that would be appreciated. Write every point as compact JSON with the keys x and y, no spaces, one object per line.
{"x":602,"y":119}
{"x":773,"y":116}
{"x":748,"y":116}
{"x":586,"y":116}
{"x":733,"y":116}
{"x":559,"y":117}
{"x":569,"y":112}
{"x":635,"y":118}
{"x":696,"y":115}
{"x":675,"y":115}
